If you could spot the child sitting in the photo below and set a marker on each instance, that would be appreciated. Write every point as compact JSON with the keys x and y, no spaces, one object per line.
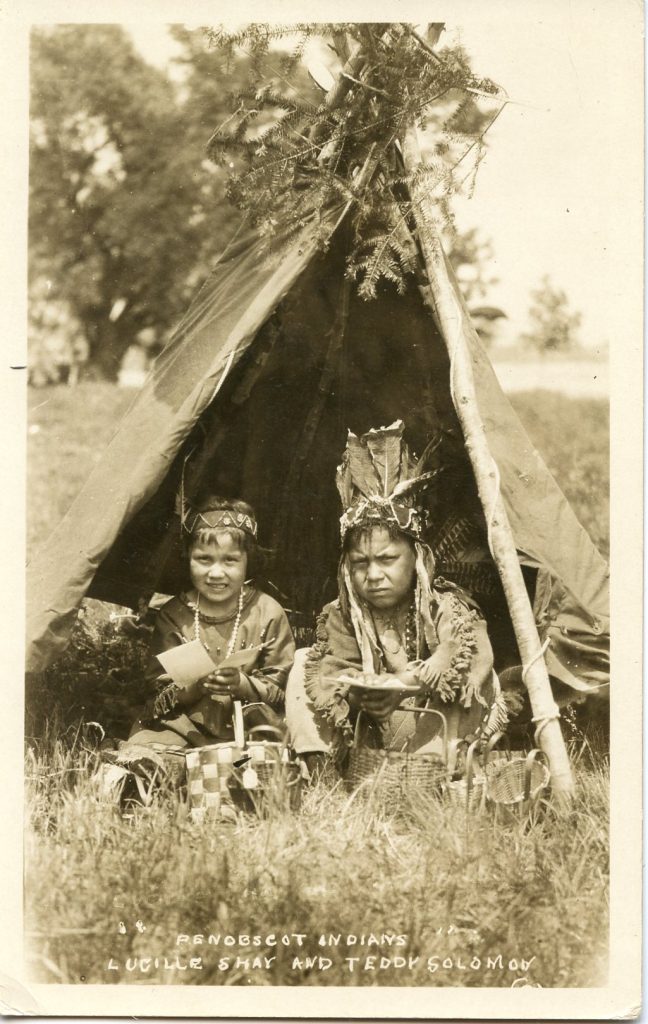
{"x":224,"y":610}
{"x":392,"y":618}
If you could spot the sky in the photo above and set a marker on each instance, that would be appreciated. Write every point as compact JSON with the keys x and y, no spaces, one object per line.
{"x":560,"y":191}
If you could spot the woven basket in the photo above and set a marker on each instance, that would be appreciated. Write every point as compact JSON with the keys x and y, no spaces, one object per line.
{"x":210,"y":770}
{"x":393,"y":773}
{"x":515,"y":785}
{"x":268,"y":772}
{"x":470,"y":788}
{"x":244,"y":772}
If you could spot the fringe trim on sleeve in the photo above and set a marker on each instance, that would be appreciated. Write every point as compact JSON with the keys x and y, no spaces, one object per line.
{"x":165,"y":701}
{"x":497,"y":719}
{"x":456,"y":680}
{"x":333,"y":705}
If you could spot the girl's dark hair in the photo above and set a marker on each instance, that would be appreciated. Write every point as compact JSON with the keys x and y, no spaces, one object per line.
{"x":200,"y":533}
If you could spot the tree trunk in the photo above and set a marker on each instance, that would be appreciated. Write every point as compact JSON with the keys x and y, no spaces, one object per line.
{"x":450,"y":316}
{"x":108,"y":342}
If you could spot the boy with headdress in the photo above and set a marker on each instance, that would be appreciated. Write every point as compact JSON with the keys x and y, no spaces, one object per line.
{"x":396,"y":637}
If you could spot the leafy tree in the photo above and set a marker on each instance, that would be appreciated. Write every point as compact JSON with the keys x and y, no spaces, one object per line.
{"x":472,"y":258}
{"x":123,"y":211}
{"x":554,"y":328}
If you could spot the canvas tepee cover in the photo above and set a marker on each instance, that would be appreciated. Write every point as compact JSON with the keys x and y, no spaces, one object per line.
{"x":272,"y":363}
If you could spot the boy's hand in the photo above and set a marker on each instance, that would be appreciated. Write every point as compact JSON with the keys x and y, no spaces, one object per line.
{"x":380,"y":704}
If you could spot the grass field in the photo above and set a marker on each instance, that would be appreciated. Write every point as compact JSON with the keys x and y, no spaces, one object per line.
{"x":462,"y":900}
{"x":476,"y":902}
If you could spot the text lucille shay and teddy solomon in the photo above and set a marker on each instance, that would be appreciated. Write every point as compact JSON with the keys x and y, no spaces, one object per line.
{"x":354,"y":952}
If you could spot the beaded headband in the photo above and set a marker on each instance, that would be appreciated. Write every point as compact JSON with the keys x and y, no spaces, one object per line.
{"x":220,"y":519}
{"x":213,"y":519}
{"x":379,"y":511}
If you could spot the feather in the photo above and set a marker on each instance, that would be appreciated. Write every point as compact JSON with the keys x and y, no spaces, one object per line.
{"x":408,"y":468}
{"x":429,"y":449}
{"x":409,"y":485}
{"x":344,"y":482}
{"x":361,"y":468}
{"x":181,"y":505}
{"x":385,"y":449}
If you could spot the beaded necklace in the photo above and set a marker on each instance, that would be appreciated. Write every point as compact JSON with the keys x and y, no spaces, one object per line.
{"x":393,"y":638}
{"x":231,"y":646}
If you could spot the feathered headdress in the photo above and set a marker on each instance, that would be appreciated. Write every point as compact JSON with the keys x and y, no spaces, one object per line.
{"x":378,"y":481}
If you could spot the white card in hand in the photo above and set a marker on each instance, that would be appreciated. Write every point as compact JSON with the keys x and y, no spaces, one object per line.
{"x":187,"y":663}
{"x":244,"y":659}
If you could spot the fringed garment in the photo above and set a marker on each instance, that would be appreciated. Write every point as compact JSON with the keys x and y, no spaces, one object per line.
{"x":450,"y":655}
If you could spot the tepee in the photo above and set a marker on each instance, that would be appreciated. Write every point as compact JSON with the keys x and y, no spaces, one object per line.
{"x":276,"y":358}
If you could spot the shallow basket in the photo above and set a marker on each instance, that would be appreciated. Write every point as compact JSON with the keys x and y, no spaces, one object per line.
{"x":392,"y":773}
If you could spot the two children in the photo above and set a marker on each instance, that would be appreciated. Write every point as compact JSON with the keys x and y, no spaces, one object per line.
{"x":395,"y":639}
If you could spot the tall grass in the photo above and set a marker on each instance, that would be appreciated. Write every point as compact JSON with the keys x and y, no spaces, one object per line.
{"x":478,"y":902}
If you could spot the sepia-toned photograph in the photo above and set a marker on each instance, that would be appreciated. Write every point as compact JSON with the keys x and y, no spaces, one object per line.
{"x":322,"y":321}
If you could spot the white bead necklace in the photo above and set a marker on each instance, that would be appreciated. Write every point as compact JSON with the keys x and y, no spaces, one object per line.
{"x":231,"y":646}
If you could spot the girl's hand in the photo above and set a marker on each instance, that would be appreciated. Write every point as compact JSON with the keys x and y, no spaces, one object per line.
{"x":224,"y":682}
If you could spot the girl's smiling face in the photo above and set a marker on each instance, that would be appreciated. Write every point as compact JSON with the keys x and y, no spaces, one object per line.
{"x":382,"y":568}
{"x":218,"y":569}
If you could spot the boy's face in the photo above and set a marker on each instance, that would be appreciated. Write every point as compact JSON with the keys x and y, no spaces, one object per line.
{"x":382,"y":568}
{"x":218,"y":570}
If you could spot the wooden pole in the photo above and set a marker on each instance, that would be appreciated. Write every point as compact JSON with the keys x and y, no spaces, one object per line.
{"x":450,"y":316}
{"x":338,"y":91}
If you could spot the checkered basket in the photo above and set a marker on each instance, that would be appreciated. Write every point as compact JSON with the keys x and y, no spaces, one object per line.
{"x":210,"y":771}
{"x":243,"y":772}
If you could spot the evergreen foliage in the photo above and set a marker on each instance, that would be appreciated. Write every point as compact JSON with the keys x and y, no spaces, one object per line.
{"x":293,"y":151}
